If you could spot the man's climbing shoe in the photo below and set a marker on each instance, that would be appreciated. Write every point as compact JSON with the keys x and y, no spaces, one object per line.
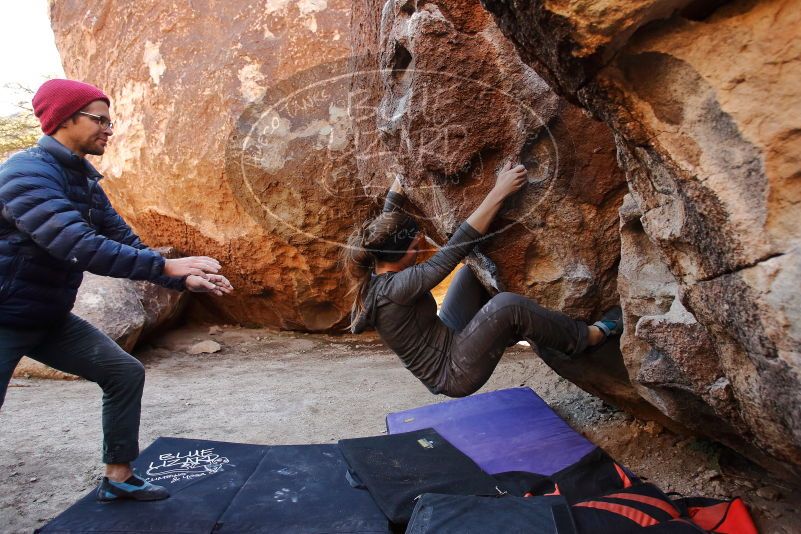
{"x":135,"y":488}
{"x":611,"y":324}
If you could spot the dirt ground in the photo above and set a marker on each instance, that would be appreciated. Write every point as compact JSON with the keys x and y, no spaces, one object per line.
{"x":282,"y":388}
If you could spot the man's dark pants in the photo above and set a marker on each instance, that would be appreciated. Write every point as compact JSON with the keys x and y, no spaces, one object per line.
{"x":77,"y":347}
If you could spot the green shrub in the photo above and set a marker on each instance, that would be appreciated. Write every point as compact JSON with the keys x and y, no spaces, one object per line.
{"x":18,"y":132}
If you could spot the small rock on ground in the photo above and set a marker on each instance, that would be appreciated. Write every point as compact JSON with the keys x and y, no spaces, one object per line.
{"x":205,"y":347}
{"x":770,"y":493}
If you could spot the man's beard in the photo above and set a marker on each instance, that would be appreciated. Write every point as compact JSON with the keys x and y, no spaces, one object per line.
{"x":94,"y":150}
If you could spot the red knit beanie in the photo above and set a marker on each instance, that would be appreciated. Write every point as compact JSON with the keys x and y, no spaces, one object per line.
{"x":58,"y":100}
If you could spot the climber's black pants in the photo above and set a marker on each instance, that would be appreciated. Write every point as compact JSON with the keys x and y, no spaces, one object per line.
{"x":77,"y":347}
{"x":485,"y":326}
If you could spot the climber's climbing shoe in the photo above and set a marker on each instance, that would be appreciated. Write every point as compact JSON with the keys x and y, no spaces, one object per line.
{"x":611,"y":324}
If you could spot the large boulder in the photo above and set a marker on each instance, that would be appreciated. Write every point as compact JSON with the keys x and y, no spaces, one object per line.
{"x":704,"y":101}
{"x":127,"y":311}
{"x":184,"y":88}
{"x":450,"y":102}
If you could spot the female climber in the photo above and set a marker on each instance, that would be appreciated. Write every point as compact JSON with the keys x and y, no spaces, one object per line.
{"x":456,"y":352}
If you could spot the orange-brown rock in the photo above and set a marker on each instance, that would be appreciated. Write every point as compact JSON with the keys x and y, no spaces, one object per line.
{"x":705,"y":104}
{"x":183,"y":79}
{"x":449,"y":102}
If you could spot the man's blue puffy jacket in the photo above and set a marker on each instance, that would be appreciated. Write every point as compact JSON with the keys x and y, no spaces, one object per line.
{"x":55,"y":223}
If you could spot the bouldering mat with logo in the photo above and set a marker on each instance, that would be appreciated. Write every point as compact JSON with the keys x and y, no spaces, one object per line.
{"x":215,"y":486}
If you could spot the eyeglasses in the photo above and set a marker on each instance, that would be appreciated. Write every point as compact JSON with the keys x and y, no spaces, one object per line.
{"x":104,"y":122}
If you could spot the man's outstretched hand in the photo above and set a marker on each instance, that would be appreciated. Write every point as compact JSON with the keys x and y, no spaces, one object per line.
{"x":201,"y":274}
{"x":192,"y":265}
{"x":216,"y":284}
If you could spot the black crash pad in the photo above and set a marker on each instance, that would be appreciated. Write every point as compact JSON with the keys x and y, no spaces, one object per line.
{"x":232,"y":487}
{"x":396,"y":469}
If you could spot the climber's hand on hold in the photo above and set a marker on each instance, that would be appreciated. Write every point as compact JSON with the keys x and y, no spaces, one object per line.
{"x":510,"y":179}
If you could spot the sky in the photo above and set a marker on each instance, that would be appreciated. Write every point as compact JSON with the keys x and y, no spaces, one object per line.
{"x":28,"y":52}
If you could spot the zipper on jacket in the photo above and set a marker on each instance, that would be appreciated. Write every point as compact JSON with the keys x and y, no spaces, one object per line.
{"x":92,"y":185}
{"x":12,"y":275}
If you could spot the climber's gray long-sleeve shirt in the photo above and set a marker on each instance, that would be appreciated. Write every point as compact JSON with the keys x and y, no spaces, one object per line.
{"x":402,"y":309}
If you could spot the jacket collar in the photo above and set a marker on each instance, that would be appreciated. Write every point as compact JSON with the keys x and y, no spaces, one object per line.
{"x":67,"y":158}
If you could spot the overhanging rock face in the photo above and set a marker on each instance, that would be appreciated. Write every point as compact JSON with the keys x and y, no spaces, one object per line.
{"x":455,"y":103}
{"x":181,"y":76}
{"x":703,"y":99}
{"x":447,"y":103}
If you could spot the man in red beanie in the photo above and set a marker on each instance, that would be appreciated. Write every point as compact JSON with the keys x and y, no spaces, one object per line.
{"x":55,"y":223}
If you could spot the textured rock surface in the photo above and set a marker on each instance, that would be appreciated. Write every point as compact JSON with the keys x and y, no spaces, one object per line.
{"x":127,"y":311}
{"x":456,"y":104}
{"x":179,"y":80}
{"x":113,"y":306}
{"x":703,"y":98}
{"x":450,"y":103}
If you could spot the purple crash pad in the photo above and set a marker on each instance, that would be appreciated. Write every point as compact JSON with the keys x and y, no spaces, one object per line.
{"x":506,"y":430}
